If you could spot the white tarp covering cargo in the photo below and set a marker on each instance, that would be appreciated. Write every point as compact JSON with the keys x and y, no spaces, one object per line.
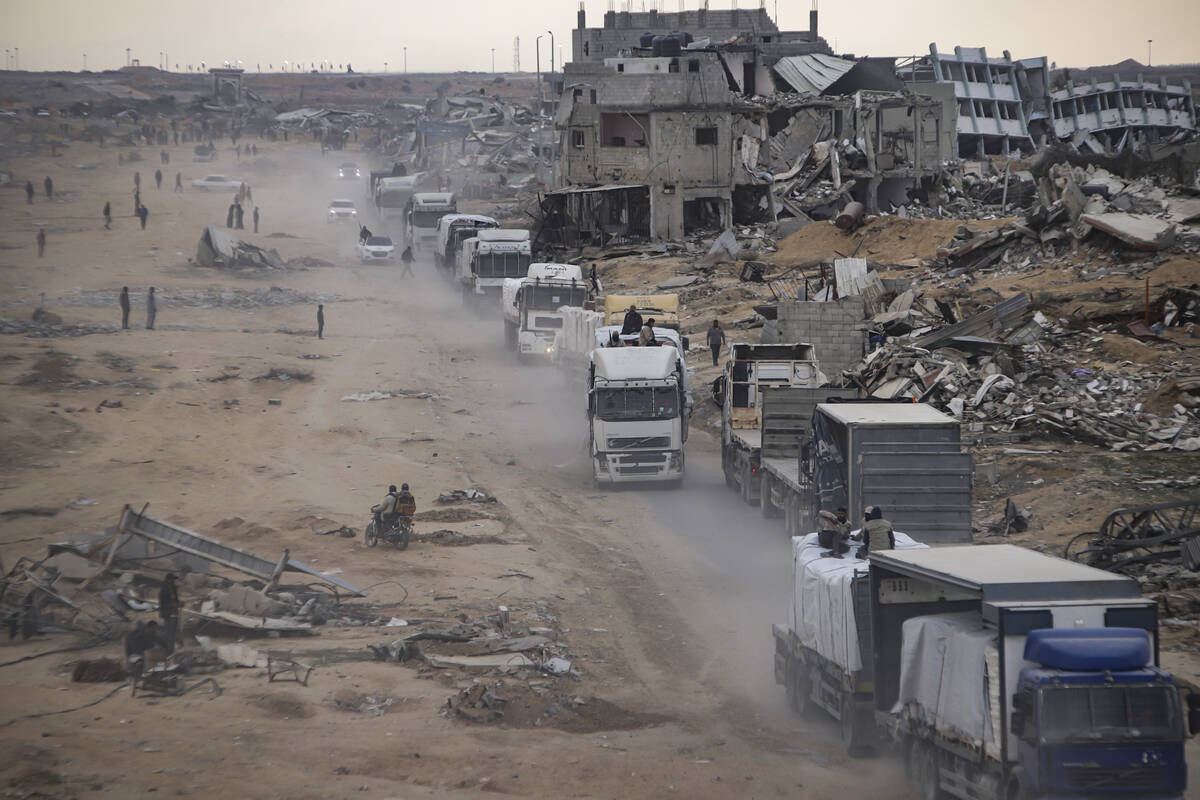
{"x":946,"y":672}
{"x":822,"y":613}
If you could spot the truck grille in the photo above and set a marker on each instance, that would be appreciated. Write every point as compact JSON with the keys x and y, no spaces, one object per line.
{"x":548,"y":322}
{"x":638,"y":470}
{"x":629,"y":442}
{"x":1132,"y":777}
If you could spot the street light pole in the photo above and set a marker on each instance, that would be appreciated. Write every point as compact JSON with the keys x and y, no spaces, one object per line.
{"x":537,"y":46}
{"x":406,"y":60}
{"x":1149,"y":44}
{"x":493,"y":59}
{"x":551,"y":53}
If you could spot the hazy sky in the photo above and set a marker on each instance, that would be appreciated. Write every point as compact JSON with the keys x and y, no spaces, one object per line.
{"x":447,"y":36}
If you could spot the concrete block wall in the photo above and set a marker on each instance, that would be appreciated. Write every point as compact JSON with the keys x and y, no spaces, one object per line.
{"x":837,"y":329}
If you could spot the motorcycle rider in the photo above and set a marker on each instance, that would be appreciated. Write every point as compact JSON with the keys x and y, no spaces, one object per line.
{"x":395,"y":504}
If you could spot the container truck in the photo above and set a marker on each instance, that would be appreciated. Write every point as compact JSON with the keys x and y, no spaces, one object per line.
{"x":426,"y":209}
{"x":637,"y":421}
{"x":486,"y":259}
{"x":751,"y":370}
{"x":452,"y":230}
{"x":533,"y":307}
{"x":1000,"y":673}
{"x":904,"y":457}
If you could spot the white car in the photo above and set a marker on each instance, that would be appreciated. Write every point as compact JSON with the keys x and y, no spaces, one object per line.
{"x":217,"y":182}
{"x":377,"y":248}
{"x":341,"y":211}
{"x":349,"y":170}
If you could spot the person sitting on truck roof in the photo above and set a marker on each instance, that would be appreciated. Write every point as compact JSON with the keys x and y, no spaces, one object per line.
{"x":614,"y":340}
{"x":646,"y":338}
{"x":875,"y":524}
{"x":838,"y":529}
{"x":632,"y":323}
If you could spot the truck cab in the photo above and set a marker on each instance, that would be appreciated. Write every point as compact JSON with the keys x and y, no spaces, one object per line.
{"x":427,"y":208}
{"x":636,"y":415}
{"x":534,"y":306}
{"x":454,"y":229}
{"x":1093,"y":717}
{"x":487,"y":259}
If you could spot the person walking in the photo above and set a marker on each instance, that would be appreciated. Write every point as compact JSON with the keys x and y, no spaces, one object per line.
{"x":179,"y":181}
{"x":137,"y":201}
{"x":240,"y":213}
{"x":49,"y":184}
{"x":168,"y":610}
{"x":142,"y":213}
{"x":41,"y":242}
{"x":229,"y":216}
{"x":137,"y":180}
{"x":158,"y":179}
{"x":124,"y":300}
{"x":321,"y":321}
{"x":407,"y":258}
{"x":29,"y":192}
{"x":256,"y":219}
{"x":151,"y":309}
{"x":107,"y":216}
{"x":716,"y":338}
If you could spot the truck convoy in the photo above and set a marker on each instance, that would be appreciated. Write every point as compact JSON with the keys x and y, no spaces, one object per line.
{"x":487,"y":259}
{"x":454,"y":229}
{"x":637,"y":420}
{"x":427,"y":209}
{"x":1000,"y":672}
{"x":534,"y":306}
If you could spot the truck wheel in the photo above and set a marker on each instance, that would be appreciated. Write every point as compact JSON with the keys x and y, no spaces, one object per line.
{"x":768,"y":509}
{"x":799,"y":691}
{"x":857,"y":730}
{"x":510,"y":335}
{"x":728,"y":470}
{"x":747,"y":487}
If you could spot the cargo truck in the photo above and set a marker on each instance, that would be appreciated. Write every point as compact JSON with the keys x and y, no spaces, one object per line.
{"x":752,"y":370}
{"x":452,"y":230}
{"x":484,"y":262}
{"x":1000,"y":673}
{"x":533,"y":307}
{"x":426,"y":209}
{"x":637,"y":421}
{"x":904,"y":457}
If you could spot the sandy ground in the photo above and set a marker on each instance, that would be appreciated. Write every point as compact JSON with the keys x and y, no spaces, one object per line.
{"x":668,"y":702}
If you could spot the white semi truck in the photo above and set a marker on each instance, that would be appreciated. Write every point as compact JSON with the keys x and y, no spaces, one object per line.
{"x":427,"y":209}
{"x":487,"y":259}
{"x":637,"y":416}
{"x":534,"y":306}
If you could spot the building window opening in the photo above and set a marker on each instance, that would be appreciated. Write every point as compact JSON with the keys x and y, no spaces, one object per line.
{"x":706,"y":136}
{"x":624,"y":130}
{"x":693,"y":65}
{"x":577,"y":139}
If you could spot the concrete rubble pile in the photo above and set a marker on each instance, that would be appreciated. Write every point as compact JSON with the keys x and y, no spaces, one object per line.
{"x":1020,"y":371}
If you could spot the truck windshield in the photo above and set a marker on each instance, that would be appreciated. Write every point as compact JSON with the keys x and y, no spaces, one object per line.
{"x":643,"y":402}
{"x":427,"y":219}
{"x":1108,"y":713}
{"x":502,"y":265}
{"x":552,"y":297}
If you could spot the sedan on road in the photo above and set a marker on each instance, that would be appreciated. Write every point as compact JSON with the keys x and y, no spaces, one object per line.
{"x":377,"y":248}
{"x":341,"y":211}
{"x":217,"y":182}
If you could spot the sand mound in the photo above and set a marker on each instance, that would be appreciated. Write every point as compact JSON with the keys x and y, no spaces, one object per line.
{"x":882,"y":240}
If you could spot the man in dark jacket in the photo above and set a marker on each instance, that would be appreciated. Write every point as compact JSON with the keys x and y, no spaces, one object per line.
{"x":716,"y":338}
{"x":124,"y":308}
{"x":168,"y":610}
{"x":632,"y":323}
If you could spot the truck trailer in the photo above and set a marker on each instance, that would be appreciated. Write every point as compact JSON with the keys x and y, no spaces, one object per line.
{"x":998,"y":672}
{"x":534,"y":307}
{"x":451,"y":231}
{"x":637,"y":420}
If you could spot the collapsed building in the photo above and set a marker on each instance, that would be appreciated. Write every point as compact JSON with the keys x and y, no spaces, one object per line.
{"x":663,"y":146}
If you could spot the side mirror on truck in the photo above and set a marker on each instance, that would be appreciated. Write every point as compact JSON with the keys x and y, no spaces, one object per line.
{"x":687,"y":343}
{"x":1193,"y":714}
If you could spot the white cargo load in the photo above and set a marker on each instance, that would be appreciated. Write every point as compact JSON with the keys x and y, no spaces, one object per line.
{"x":949,"y":678}
{"x":822,"y":610}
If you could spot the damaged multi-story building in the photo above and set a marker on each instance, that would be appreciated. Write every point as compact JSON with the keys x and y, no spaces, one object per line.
{"x":674,"y":133}
{"x":1005,"y":105}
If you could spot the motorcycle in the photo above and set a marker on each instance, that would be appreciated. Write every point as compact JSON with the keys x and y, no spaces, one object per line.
{"x":398,"y":533}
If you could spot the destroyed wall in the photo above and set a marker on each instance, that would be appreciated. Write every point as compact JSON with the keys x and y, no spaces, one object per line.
{"x":1118,"y":108}
{"x":944,"y":93}
{"x":836,"y":329}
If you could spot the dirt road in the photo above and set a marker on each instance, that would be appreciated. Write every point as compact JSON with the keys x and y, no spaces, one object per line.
{"x":666,"y":616}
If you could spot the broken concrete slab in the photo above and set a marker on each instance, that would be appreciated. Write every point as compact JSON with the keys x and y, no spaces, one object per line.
{"x":678,"y":282}
{"x":1136,"y":230}
{"x":497,"y":661}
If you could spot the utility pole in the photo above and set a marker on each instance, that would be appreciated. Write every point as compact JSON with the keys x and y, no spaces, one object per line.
{"x":85,"y":62}
{"x":517,"y":54}
{"x":493,"y":59}
{"x":537,"y":46}
{"x":551,"y":53}
{"x":406,"y":60}
{"x":127,"y":56}
{"x":1149,"y":44}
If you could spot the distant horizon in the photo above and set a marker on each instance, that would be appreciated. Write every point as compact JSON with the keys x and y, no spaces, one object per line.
{"x":57,"y":35}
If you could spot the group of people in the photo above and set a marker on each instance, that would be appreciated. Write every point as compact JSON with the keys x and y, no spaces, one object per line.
{"x":633,"y":324}
{"x":151,"y":308}
{"x":236,"y":216}
{"x":836,"y":535}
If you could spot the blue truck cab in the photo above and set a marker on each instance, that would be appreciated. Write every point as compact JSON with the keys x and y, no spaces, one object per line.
{"x":1096,"y":719}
